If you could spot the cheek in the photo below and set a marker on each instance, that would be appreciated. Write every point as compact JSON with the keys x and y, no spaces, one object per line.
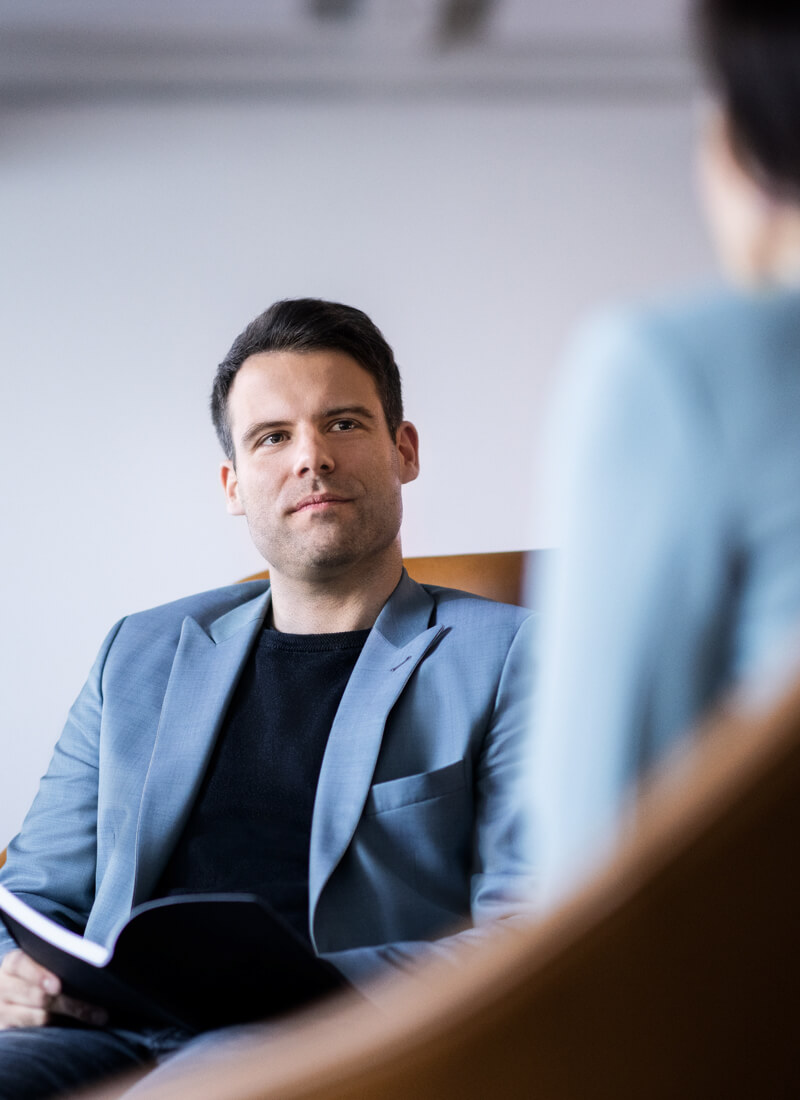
{"x":258,"y":489}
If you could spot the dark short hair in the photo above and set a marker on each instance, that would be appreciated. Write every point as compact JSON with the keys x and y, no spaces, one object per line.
{"x":310,"y":324}
{"x":751,"y":52}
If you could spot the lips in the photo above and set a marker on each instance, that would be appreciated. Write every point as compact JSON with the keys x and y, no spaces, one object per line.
{"x":319,"y":500}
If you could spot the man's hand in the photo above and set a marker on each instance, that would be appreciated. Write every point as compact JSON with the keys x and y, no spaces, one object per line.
{"x":30,"y":996}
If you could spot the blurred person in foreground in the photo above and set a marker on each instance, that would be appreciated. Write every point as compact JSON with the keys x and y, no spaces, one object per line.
{"x":674,"y":471}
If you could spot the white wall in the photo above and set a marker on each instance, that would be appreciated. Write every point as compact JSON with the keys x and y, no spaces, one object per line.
{"x":138,"y":240}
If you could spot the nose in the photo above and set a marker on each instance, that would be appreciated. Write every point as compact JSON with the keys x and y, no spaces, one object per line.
{"x":314,"y":454}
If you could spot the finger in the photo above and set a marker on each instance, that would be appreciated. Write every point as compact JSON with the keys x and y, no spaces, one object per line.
{"x":18,"y":992}
{"x":29,"y":991}
{"x":78,"y":1010}
{"x":12,"y":1016}
{"x":20,"y":965}
{"x":23,"y":1003}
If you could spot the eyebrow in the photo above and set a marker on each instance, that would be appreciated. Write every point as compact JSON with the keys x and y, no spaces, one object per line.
{"x":276,"y":425}
{"x":349,"y":410}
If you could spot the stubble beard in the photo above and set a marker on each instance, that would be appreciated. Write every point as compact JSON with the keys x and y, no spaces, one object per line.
{"x":330,"y":545}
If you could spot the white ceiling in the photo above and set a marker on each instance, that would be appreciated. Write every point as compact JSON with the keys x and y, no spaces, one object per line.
{"x":101,"y":48}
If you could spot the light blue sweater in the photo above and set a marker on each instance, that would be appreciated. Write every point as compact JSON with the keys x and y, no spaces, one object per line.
{"x":674,"y":474}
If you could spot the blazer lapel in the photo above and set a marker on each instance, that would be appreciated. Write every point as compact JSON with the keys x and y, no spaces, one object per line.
{"x":204,"y":674}
{"x":397,"y":643}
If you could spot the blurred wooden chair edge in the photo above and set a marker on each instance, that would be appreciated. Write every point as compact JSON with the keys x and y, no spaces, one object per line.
{"x":502,"y":575}
{"x":675,"y":972}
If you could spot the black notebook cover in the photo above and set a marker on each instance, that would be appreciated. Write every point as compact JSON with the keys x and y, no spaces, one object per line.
{"x":197,"y":960}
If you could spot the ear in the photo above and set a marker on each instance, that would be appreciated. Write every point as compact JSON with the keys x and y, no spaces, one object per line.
{"x":407,"y":442}
{"x":230,"y":483}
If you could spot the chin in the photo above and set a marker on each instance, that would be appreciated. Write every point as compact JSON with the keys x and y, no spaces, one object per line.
{"x":312,"y":561}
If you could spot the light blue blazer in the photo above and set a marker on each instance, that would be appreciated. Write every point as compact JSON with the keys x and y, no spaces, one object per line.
{"x":418,"y":820}
{"x":674,"y":476}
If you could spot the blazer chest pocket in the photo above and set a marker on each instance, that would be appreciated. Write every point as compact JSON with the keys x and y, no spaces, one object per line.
{"x":409,"y":789}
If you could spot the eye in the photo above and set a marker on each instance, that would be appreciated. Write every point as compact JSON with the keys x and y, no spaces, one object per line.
{"x":272,"y":440}
{"x":343,"y":425}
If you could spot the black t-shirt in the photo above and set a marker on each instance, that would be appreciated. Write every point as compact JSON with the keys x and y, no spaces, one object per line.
{"x":250,"y":826}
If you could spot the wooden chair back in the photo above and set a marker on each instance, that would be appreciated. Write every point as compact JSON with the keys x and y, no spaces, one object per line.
{"x":503,"y":576}
{"x":674,"y":973}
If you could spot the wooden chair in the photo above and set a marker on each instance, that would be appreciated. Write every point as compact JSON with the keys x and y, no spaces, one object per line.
{"x":497,"y":576}
{"x":675,"y":973}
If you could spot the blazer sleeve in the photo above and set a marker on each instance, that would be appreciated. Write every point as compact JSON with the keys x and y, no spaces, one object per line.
{"x":502,"y":873}
{"x":51,"y":862}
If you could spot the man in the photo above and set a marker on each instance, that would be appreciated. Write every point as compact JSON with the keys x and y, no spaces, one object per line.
{"x":341,"y":740}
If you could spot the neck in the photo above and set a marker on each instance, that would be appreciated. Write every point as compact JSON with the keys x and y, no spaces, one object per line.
{"x":784,"y":267}
{"x":775,"y":253}
{"x":350,"y":600}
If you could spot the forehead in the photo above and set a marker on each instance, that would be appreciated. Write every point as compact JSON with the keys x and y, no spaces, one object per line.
{"x":302,"y":379}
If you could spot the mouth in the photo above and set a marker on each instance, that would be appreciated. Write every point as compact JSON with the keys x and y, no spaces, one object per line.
{"x":320,"y":502}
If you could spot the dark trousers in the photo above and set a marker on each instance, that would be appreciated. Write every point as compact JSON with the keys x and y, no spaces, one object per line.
{"x":41,"y":1062}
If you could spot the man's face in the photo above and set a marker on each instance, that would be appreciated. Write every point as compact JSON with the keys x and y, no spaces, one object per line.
{"x":316,"y":473}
